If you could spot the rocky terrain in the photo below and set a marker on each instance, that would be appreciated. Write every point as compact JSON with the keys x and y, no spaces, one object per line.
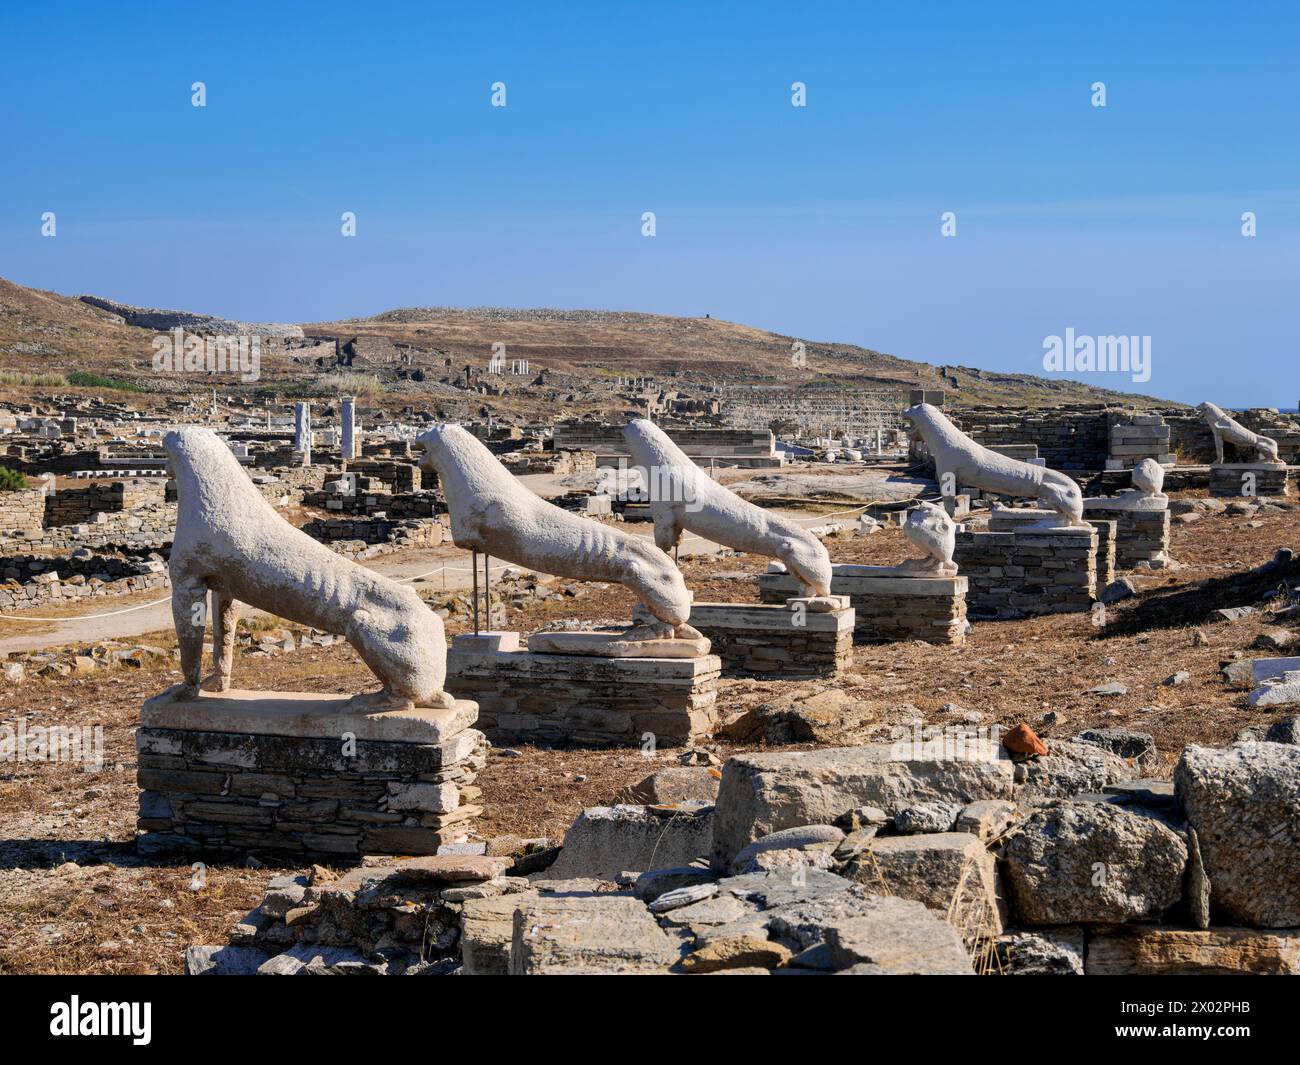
{"x":44,"y":333}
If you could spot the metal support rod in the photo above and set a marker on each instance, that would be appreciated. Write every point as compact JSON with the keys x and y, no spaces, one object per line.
{"x":487,"y":588}
{"x":474,"y":569}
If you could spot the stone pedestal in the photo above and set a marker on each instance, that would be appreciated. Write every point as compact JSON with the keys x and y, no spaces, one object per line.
{"x":783,"y":639}
{"x":295,"y":774}
{"x":1236,"y":479}
{"x":1134,"y":437}
{"x":1029,"y":571}
{"x":527,"y":697}
{"x":1141,"y":528}
{"x":889,"y":603}
{"x":1007,"y":519}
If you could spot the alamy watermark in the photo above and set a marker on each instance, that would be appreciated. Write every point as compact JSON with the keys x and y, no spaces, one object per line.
{"x":1080,"y":353}
{"x":657,"y":484}
{"x":948,"y":743}
{"x":181,"y":352}
{"x":22,"y":742}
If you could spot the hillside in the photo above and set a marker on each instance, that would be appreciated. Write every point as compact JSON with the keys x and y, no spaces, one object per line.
{"x":47,"y":333}
{"x":607,"y":344}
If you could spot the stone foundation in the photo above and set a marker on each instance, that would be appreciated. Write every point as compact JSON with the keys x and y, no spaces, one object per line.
{"x":526,"y":697}
{"x":1008,"y":519}
{"x":1141,"y":533}
{"x":1029,"y":571}
{"x":1230,"y":480}
{"x":294,"y":774}
{"x":777,"y":640}
{"x":889,"y":603}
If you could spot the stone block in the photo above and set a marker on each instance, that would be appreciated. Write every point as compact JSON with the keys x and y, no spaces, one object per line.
{"x":761,"y":793}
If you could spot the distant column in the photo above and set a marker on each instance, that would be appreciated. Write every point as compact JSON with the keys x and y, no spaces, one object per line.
{"x":302,"y":431}
{"x":349,"y":415}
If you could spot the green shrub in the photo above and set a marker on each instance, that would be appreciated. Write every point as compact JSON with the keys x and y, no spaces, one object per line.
{"x":11,"y":480}
{"x":94,"y":380}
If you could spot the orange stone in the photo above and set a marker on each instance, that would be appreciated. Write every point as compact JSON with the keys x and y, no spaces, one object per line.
{"x":1023,"y":740}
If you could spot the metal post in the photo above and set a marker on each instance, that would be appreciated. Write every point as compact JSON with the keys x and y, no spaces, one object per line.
{"x":487,"y":588}
{"x":474,"y":568}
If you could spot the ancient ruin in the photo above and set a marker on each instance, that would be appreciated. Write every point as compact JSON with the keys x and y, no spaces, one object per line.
{"x":809,"y":692}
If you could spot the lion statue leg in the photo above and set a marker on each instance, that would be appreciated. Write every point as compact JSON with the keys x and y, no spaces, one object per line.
{"x":225,"y":620}
{"x":189,"y":614}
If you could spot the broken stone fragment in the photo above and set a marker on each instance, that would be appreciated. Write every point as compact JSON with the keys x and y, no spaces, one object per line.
{"x":1244,"y":803}
{"x":1058,"y":952}
{"x":1070,"y":862}
{"x":591,"y":934}
{"x":763,"y":793}
{"x":898,"y":937}
{"x":1023,"y":740}
{"x":606,"y":840}
{"x":927,"y":817}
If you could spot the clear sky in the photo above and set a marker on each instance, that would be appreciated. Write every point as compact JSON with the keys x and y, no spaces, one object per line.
{"x":823,"y":221}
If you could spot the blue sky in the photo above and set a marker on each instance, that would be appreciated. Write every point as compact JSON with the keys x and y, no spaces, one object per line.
{"x":822,"y":222}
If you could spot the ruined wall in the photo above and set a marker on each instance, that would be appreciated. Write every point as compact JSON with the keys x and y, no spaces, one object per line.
{"x":68,"y":506}
{"x":1068,"y":438}
{"x":22,"y":511}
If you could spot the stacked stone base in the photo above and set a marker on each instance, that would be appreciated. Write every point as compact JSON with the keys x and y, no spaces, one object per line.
{"x":1235,"y":479}
{"x":889,"y":603}
{"x":1027,"y":572}
{"x":1008,"y":519}
{"x":1141,"y":534}
{"x":526,"y":697}
{"x":777,"y":640}
{"x":293,"y":775}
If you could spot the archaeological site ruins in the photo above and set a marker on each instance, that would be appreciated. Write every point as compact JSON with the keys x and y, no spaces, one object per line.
{"x":377,"y":598}
{"x":879,"y":694}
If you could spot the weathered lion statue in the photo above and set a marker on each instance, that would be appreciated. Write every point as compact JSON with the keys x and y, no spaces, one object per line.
{"x":230,"y":542}
{"x":931,"y":529}
{"x":493,"y":513}
{"x":1227,"y":428}
{"x":973,"y":464}
{"x":685,"y":498}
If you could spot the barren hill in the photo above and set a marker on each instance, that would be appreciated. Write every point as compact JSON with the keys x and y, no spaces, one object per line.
{"x":47,"y":333}
{"x":608,"y":344}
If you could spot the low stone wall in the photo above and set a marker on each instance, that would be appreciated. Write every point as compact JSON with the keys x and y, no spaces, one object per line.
{"x":558,"y":463}
{"x":59,"y":580}
{"x":71,"y":506}
{"x":1235,"y":480}
{"x":525,"y":697}
{"x":399,"y":476}
{"x":391,"y":505}
{"x":777,"y":640}
{"x":1067,"y":438}
{"x":311,"y":782}
{"x":147,"y":528}
{"x":889,"y":604}
{"x":376,"y":531}
{"x":1028,"y":571}
{"x":22,"y":511}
